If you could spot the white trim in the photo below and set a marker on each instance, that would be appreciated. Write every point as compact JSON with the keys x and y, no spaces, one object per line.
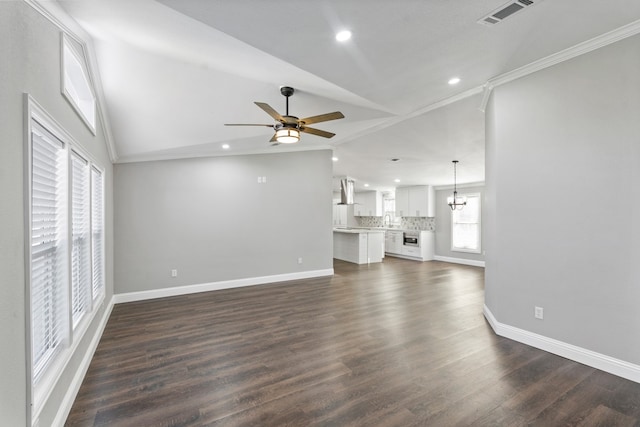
{"x":569,"y":53}
{"x":191,"y":153}
{"x":216,"y":286}
{"x":52,"y":11}
{"x":486,"y":95}
{"x":596,"y":360}
{"x":473,"y":262}
{"x":460,"y":186}
{"x":39,"y":396}
{"x":420,"y":111}
{"x":453,"y":224}
{"x":81,"y":371}
{"x":80,"y":57}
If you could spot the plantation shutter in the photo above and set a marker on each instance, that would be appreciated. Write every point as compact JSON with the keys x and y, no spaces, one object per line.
{"x":80,"y":238}
{"x":97,"y":232}
{"x":48,"y":254}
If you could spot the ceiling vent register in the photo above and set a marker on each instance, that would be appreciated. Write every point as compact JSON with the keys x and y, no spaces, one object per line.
{"x":505,"y":11}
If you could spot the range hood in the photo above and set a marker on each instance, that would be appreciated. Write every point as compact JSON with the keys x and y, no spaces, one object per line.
{"x":346,"y":192}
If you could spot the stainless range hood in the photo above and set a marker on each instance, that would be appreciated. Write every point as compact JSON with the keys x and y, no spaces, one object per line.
{"x":346,"y":192}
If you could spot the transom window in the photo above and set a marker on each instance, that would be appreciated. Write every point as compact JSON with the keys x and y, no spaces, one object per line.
{"x":76,"y":84}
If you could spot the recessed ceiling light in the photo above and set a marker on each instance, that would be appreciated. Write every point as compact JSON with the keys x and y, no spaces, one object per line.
{"x":396,"y":180}
{"x":343,"y":36}
{"x":225,"y":146}
{"x":454,"y":80}
{"x":335,"y":159}
{"x":366,"y":185}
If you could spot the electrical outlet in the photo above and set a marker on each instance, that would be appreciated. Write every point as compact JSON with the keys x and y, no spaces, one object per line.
{"x":300,"y":260}
{"x":174,"y":273}
{"x":538,"y":312}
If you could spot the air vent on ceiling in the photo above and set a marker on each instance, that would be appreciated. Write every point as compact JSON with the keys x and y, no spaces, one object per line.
{"x":505,"y":11}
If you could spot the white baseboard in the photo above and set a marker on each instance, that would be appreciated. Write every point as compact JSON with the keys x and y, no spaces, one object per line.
{"x":76,"y":382}
{"x":459,"y":261}
{"x":216,"y":286}
{"x":599,"y":361}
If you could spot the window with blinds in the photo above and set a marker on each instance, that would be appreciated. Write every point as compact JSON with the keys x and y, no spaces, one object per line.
{"x":97,"y":232}
{"x":465,"y":232}
{"x":66,"y":239}
{"x":80,"y":238}
{"x":49,"y":301}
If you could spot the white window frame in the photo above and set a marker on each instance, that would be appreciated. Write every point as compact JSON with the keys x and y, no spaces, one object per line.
{"x":76,"y":84}
{"x":97,"y":228}
{"x":42,"y":380}
{"x":479,"y":225}
{"x":80,"y":241}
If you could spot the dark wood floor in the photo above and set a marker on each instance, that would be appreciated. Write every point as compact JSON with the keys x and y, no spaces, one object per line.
{"x":400,"y":343}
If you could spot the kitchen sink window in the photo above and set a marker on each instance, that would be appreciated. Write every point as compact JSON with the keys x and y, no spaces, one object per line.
{"x":389,"y":207}
{"x":465,"y":226}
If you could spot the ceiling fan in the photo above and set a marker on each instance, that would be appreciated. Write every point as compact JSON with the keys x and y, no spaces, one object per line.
{"x":288,"y":127}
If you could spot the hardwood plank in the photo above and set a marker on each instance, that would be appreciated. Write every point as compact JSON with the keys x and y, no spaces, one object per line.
{"x":399,"y":343}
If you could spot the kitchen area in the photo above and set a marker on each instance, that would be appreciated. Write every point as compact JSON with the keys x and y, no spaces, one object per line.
{"x":369,"y":225}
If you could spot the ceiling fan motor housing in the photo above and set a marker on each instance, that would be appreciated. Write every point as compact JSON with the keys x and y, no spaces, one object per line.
{"x":286,"y":91}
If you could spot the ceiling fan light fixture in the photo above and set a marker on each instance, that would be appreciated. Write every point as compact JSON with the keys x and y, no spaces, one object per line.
{"x":287,"y":135}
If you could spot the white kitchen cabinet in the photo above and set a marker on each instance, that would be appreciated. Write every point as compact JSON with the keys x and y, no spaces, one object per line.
{"x":402,"y":201}
{"x":416,"y":201}
{"x":343,"y":215}
{"x":358,"y":246}
{"x":368,"y":203}
{"x":339,"y":216}
{"x":393,"y":242}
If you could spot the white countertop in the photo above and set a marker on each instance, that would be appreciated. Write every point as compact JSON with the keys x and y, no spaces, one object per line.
{"x":356,"y":230}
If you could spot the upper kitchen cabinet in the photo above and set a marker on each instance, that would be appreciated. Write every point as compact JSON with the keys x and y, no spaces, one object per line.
{"x":416,"y":201}
{"x":368,"y":203}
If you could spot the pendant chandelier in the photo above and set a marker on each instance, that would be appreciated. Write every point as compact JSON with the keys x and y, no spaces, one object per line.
{"x":454,"y":201}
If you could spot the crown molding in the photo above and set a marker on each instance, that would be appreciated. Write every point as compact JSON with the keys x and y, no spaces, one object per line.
{"x":54,"y":14}
{"x":459,"y":186}
{"x":195,"y":154}
{"x":401,"y":118}
{"x":564,"y":55}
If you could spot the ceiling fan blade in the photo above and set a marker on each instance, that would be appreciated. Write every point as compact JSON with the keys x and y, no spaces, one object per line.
{"x":246,"y":124}
{"x":270,"y":111}
{"x":322,"y":118}
{"x":273,"y":139}
{"x":318,"y":132}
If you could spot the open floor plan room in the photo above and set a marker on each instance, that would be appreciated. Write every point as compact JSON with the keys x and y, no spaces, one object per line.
{"x":398,"y":343}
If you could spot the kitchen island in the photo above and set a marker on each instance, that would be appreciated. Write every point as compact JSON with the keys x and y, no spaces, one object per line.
{"x":360,"y":246}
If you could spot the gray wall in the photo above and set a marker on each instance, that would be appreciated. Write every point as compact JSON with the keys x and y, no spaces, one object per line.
{"x":443,"y":223}
{"x":211,"y":220}
{"x":563,"y":199}
{"x":30,"y":52}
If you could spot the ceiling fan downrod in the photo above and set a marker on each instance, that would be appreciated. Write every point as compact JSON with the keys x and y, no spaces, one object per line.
{"x":287,"y":91}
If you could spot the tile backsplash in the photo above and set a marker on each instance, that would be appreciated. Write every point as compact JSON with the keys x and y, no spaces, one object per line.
{"x":417,"y":223}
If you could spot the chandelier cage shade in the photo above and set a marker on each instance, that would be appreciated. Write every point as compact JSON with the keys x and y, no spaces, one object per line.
{"x":287,"y":135}
{"x":456,"y":202}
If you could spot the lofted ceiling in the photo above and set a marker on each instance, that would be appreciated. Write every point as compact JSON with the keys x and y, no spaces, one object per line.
{"x":174,"y":71}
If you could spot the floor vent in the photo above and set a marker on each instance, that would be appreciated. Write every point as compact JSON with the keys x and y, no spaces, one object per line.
{"x":505,"y":11}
